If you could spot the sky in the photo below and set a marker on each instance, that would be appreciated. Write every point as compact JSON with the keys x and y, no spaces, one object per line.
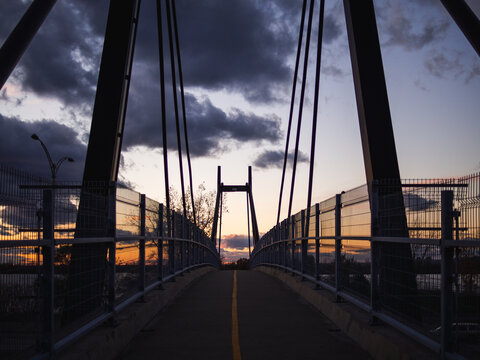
{"x":237,"y":59}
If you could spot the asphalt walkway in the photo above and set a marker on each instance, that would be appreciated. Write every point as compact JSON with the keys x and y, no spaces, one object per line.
{"x":240,"y":315}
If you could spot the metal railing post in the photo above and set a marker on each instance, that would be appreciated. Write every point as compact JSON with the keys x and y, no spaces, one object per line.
{"x":160,"y":234}
{"x":446,"y":340}
{"x":317,"y":242}
{"x":338,"y":244}
{"x":304,"y":243}
{"x":141,"y":260}
{"x":112,"y":249}
{"x":171,"y":244}
{"x":293,"y":232}
{"x":284,"y":244}
{"x":374,"y":253}
{"x":48,"y":273}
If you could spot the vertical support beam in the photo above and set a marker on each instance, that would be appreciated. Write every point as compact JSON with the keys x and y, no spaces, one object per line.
{"x":20,"y":38}
{"x":446,"y":338}
{"x":108,"y":119}
{"x":141,"y":246}
{"x":256,"y":236}
{"x":376,"y":129}
{"x":397,"y":277}
{"x":85,"y":292}
{"x":217,"y":207}
{"x":48,"y":328}
{"x":112,"y":249}
{"x":466,"y":20}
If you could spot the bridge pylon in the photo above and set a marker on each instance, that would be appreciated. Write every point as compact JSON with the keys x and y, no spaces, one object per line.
{"x":222,"y":188}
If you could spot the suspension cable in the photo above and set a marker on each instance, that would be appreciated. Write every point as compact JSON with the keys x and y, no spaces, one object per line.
{"x":182,"y":96}
{"x":175,"y":101}
{"x":292,"y":102}
{"x":315,"y":113}
{"x":300,"y":110}
{"x":162,"y":94}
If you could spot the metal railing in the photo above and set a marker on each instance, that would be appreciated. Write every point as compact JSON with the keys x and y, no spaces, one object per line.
{"x":426,"y":282}
{"x":72,"y":257}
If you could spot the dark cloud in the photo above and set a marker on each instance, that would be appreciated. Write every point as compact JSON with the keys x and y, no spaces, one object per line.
{"x":19,"y":150}
{"x":211,"y":129}
{"x":332,"y":29}
{"x":62,"y":61}
{"x":274,"y":159}
{"x":242,"y":46}
{"x":409,"y":26}
{"x":235,"y":241}
{"x":440,"y":66}
{"x":446,"y":65}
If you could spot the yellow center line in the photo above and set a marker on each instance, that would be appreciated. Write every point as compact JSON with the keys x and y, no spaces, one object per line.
{"x":235,"y":340}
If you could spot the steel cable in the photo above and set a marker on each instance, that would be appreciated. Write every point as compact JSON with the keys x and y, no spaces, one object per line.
{"x":302,"y":97}
{"x":315,"y":113}
{"x":175,"y":102}
{"x":182,"y":96}
{"x":292,"y":103}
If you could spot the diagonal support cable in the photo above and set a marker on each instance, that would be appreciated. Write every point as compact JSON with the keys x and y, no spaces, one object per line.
{"x":162,"y":94}
{"x":292,"y":103}
{"x":315,"y":113}
{"x":182,"y":96}
{"x":300,"y":110}
{"x":175,"y":101}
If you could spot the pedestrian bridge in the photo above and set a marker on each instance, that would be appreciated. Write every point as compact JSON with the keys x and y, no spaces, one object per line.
{"x":93,"y":270}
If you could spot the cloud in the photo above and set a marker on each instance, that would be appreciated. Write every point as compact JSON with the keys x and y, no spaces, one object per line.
{"x":237,"y":242}
{"x":409,"y":26}
{"x":332,"y":29}
{"x":62,"y":60}
{"x":455,"y":66}
{"x":275,"y":158}
{"x":211,"y":130}
{"x":18,"y":150}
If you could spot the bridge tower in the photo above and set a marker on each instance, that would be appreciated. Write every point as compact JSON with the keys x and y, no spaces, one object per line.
{"x":222,"y":188}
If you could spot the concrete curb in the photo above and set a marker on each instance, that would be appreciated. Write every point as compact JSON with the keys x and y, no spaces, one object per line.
{"x":106,"y":342}
{"x":381,"y":342}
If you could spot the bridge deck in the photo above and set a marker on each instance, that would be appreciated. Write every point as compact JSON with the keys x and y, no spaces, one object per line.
{"x":273,"y":323}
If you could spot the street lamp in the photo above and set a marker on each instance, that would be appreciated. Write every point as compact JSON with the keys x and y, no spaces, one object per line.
{"x":53,"y":166}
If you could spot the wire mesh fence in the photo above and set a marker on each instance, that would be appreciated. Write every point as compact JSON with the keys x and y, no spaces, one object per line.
{"x":73,"y":253}
{"x":384,"y":247}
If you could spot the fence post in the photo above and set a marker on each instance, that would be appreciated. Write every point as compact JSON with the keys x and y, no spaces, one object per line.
{"x":141,"y":283}
{"x":284,"y":244}
{"x":293,"y":232}
{"x":48,"y":251}
{"x":447,"y":272}
{"x":374,"y":254}
{"x":160,"y":234}
{"x":171,"y":244}
{"x":112,"y":249}
{"x":338,"y":244}
{"x":317,"y":243}
{"x":304,"y":243}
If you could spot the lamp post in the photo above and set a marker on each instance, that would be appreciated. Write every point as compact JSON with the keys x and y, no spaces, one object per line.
{"x":53,"y":166}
